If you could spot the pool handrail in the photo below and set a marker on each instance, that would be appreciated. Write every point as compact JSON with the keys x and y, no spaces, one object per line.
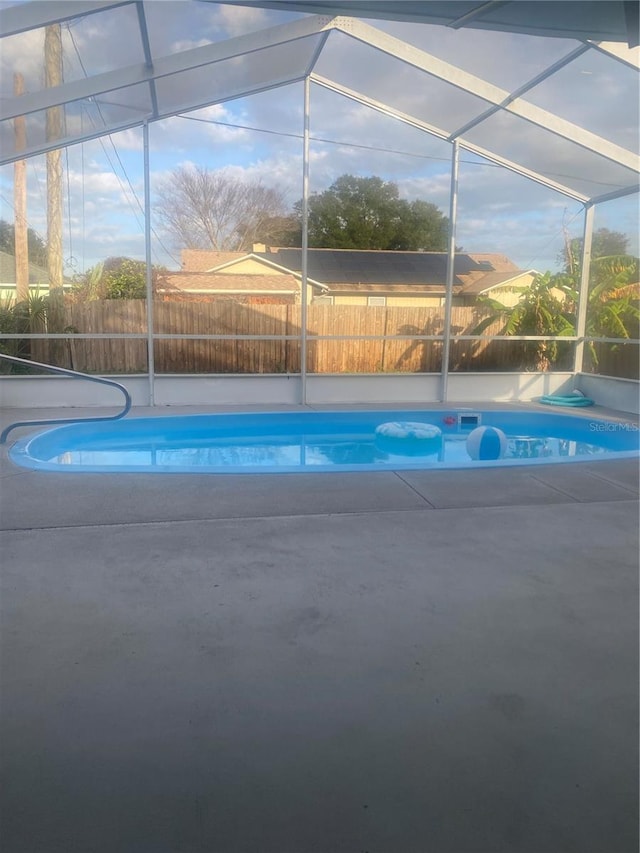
{"x":66,"y":372}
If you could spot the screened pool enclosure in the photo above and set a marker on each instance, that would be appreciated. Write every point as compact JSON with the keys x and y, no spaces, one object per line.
{"x":516,"y":122}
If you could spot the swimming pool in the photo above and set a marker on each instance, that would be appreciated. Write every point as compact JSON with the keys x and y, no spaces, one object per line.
{"x":284,"y":442}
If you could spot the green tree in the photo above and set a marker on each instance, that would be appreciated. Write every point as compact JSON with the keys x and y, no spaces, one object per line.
{"x":613,"y":309}
{"x":542,"y":309}
{"x":604,"y":243}
{"x":37,"y":246}
{"x":88,"y":285}
{"x":115,"y":278}
{"x":368,"y":213}
{"x":29,"y":315}
{"x":549,"y":307}
{"x":124,"y":278}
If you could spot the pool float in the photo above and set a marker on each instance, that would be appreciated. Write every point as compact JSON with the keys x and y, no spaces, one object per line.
{"x":576,"y":400}
{"x":408,"y":438}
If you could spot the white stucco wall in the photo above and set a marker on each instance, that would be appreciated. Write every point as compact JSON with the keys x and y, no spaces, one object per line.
{"x":54,"y":391}
{"x":620,"y":394}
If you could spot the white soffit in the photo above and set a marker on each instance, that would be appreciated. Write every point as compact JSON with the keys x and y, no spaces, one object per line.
{"x":610,"y":20}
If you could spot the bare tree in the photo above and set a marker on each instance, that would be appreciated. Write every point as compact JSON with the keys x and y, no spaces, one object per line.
{"x":202,"y":209}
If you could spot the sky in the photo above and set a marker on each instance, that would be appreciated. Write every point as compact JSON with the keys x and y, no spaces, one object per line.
{"x":259,"y":137}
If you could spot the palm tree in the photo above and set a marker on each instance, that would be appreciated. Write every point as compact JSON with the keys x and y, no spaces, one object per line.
{"x":89,"y":286}
{"x":541,"y":310}
{"x":28,"y":315}
{"x":549,"y":307}
{"x":613,"y":309}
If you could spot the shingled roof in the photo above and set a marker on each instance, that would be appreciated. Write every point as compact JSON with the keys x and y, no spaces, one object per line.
{"x":202,"y":260}
{"x":203,"y":282}
{"x":363,"y":267}
{"x":37,"y":275}
{"x":346,"y":270}
{"x":490,"y":280}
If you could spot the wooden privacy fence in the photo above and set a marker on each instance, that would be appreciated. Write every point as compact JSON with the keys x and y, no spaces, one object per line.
{"x":397,"y":353}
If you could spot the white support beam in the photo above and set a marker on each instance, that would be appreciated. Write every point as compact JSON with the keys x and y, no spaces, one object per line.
{"x":628,"y":55}
{"x":405,"y":118}
{"x":148,"y":267}
{"x":473,"y":85}
{"x":165,"y":66}
{"x":532,"y":18}
{"x":42,"y":13}
{"x":316,"y":55}
{"x":379,"y":106}
{"x":148,"y":58}
{"x":304,"y":277}
{"x":521,"y":90}
{"x":616,"y":194}
{"x":116,"y":127}
{"x":96,"y":133}
{"x":583,"y":296}
{"x":451,"y":263}
{"x":76,"y":90}
{"x":476,"y":12}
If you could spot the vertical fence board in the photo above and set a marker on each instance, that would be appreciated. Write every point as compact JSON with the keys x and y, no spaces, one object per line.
{"x":226,"y":317}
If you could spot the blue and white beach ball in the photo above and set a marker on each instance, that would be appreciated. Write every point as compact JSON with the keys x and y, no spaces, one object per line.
{"x":486,"y":442}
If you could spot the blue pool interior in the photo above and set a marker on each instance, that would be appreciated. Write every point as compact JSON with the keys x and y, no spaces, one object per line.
{"x":283,"y":442}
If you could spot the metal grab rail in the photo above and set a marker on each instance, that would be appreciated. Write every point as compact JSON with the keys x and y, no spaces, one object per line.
{"x":65,"y":372}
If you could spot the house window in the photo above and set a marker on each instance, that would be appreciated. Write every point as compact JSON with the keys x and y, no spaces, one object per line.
{"x":323,"y":300}
{"x":378,"y":301}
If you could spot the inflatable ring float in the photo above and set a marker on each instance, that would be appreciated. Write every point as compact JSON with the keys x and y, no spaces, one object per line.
{"x":406,"y":438}
{"x":575,"y":401}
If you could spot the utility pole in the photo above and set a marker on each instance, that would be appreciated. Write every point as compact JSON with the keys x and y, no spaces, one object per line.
{"x":54,"y":127}
{"x":21,"y":241}
{"x":568,"y":249}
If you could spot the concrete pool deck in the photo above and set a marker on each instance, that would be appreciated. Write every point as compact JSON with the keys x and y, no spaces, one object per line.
{"x":423,"y":662}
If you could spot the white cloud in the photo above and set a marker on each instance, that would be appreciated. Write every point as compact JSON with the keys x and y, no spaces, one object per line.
{"x":22,"y":53}
{"x":129,"y":140}
{"x":100,"y":183}
{"x":237,"y":20}
{"x":498,"y":211}
{"x":434,"y":189}
{"x":188,"y":44}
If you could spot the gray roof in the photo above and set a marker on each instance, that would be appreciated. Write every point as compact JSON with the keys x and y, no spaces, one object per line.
{"x":37,"y":274}
{"x":345,"y":266}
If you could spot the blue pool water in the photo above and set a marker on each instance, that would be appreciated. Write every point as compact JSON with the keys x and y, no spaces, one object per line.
{"x":318,"y":441}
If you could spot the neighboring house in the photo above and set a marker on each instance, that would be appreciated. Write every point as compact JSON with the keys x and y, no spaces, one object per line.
{"x":38,"y":276}
{"x":347,"y":276}
{"x":251,"y":278}
{"x":203,"y":260}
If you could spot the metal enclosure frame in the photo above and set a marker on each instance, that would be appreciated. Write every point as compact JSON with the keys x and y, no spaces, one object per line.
{"x":312,"y":32}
